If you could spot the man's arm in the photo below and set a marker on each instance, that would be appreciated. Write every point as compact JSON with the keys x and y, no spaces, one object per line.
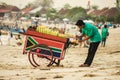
{"x":80,"y":36}
{"x":86,"y":38}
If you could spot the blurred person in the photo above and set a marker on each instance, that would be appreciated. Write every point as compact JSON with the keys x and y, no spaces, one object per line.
{"x":0,"y":37}
{"x":23,"y":30}
{"x":104,"y":34}
{"x":92,"y":33}
{"x":10,"y":35}
{"x":19,"y":40}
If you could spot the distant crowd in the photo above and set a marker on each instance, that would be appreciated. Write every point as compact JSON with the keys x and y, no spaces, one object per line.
{"x":11,"y":29}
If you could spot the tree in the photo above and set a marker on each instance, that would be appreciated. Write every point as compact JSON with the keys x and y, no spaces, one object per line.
{"x":52,"y":13}
{"x":101,"y":19}
{"x":2,"y":3}
{"x":118,"y":3}
{"x":46,"y":3}
{"x":28,"y":5}
{"x":76,"y":13}
{"x":117,"y":18}
{"x":95,"y":7}
{"x":67,"y":6}
{"x":42,"y":3}
{"x":91,"y":16}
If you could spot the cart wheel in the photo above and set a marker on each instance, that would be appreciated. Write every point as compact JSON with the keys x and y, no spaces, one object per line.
{"x":30,"y":59}
{"x":55,"y":62}
{"x":40,"y":55}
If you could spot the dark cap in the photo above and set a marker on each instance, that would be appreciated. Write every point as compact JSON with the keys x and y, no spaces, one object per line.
{"x":80,"y":23}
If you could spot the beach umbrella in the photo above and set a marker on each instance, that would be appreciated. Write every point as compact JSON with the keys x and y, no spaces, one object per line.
{"x":89,"y":21}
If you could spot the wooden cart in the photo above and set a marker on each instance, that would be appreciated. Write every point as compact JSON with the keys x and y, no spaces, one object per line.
{"x":44,"y":49}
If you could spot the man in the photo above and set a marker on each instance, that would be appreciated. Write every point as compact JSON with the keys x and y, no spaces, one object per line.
{"x":93,"y":34}
{"x":104,"y":33}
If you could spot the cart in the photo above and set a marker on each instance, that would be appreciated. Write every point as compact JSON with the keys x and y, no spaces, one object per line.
{"x":44,"y":49}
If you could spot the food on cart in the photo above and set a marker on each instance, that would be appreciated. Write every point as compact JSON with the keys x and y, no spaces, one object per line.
{"x":69,"y":35}
{"x":73,"y":40}
{"x":62,"y":35}
{"x":55,"y":32}
{"x":46,"y":30}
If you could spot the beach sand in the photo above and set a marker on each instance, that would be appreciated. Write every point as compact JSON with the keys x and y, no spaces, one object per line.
{"x":106,"y":65}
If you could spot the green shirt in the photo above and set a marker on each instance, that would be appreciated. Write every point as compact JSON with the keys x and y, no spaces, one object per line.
{"x":104,"y":32}
{"x":91,"y":31}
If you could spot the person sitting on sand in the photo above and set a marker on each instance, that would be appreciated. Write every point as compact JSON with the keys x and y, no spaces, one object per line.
{"x":19,"y":40}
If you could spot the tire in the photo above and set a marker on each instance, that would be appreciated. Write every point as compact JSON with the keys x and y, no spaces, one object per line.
{"x":40,"y":55}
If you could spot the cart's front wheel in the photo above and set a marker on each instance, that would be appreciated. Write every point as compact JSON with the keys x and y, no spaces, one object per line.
{"x":40,"y":55}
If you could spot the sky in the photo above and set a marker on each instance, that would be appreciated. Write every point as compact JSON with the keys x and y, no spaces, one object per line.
{"x":60,"y":3}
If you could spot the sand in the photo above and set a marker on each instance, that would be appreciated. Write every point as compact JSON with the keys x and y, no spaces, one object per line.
{"x":106,"y":65}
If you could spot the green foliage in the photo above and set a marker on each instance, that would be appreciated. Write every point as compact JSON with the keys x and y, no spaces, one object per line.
{"x":118,"y":4}
{"x":52,"y":14}
{"x":110,"y":19}
{"x":91,"y":16}
{"x":37,"y":14}
{"x":52,"y":10}
{"x":97,"y":18}
{"x":4,"y":4}
{"x":117,"y":18}
{"x":67,"y":6}
{"x":76,"y":13}
{"x":28,"y":5}
{"x":101,"y":18}
{"x":95,"y":7}
{"x":46,"y":3}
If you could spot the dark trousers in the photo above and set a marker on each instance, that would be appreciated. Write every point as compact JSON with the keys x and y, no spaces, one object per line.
{"x":103,"y":42}
{"x":91,"y":52}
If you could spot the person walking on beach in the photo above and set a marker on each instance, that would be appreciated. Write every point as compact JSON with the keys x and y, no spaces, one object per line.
{"x":10,"y":35}
{"x":93,"y":34}
{"x":104,"y":34}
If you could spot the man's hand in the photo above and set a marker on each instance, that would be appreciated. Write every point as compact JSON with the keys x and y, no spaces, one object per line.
{"x":77,"y":36}
{"x":82,"y":40}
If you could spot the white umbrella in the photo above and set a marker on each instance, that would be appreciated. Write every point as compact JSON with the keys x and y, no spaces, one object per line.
{"x":89,"y":21}
{"x":65,"y":19}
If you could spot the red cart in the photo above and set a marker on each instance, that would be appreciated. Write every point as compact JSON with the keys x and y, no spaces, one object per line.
{"x":44,"y":49}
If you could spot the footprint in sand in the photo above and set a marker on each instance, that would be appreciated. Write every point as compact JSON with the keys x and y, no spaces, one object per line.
{"x":58,"y":76}
{"x":90,"y":75}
